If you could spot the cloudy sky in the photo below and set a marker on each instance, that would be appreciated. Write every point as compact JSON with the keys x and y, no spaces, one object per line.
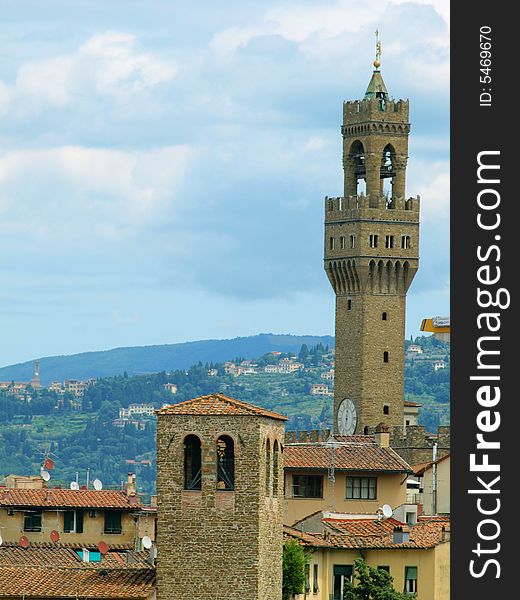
{"x":163,"y":164}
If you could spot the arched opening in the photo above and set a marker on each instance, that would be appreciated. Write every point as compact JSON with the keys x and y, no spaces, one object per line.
{"x":192,"y":463}
{"x":357,"y":158}
{"x":385,"y":356}
{"x":225,"y":463}
{"x":267,"y":467}
{"x":384,"y":316}
{"x":387,"y":173}
{"x":365,"y":430}
{"x":276,"y":474}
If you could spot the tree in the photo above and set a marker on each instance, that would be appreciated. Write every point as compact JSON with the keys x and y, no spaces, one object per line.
{"x":373,"y":584}
{"x":295,"y":561}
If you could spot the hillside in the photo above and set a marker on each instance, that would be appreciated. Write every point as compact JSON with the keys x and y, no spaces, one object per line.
{"x":152,"y":359}
{"x":89,"y":432}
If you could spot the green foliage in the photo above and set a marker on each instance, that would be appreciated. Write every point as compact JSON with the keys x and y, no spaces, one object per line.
{"x":295,"y":561}
{"x":371,"y":583}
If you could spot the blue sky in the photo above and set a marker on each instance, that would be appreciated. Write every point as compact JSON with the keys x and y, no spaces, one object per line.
{"x":163,"y":164}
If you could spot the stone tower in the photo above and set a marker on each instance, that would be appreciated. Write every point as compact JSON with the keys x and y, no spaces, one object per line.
{"x":220,"y":501}
{"x":371,"y":257}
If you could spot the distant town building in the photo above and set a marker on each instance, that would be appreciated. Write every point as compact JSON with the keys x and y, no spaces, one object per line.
{"x":320,"y":389}
{"x":170,"y":387}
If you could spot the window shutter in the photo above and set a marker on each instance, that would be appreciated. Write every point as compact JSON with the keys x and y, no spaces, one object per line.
{"x":79,"y":521}
{"x":68,"y":521}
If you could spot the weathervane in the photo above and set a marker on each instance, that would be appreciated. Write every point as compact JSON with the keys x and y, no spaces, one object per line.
{"x":377,"y":62}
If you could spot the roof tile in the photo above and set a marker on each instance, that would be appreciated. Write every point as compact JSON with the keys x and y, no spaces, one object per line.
{"x":217,"y":404}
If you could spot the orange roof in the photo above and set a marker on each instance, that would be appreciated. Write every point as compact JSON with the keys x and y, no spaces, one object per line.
{"x":306,"y":539}
{"x":363,"y":455}
{"x":41,"y":571}
{"x":422,"y":467}
{"x":357,"y":533}
{"x":409,"y":403}
{"x":217,"y":404}
{"x":42,"y":582}
{"x":62,"y":498}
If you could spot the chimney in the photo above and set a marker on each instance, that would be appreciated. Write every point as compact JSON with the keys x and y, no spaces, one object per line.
{"x":130,"y":485}
{"x":382,"y":435}
{"x":400,"y":535}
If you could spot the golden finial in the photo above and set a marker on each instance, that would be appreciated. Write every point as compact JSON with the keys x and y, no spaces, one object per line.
{"x":377,"y":62}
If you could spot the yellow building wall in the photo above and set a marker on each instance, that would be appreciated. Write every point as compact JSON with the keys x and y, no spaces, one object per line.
{"x":390,"y":490}
{"x":433,"y":570}
{"x":93,"y":528}
{"x":443,"y":488}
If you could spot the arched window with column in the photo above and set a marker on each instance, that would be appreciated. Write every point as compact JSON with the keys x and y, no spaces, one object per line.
{"x":225,"y":463}
{"x":276,"y":474}
{"x":192,"y":463}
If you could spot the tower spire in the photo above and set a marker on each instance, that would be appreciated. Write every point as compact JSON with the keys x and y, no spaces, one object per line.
{"x":377,"y":88}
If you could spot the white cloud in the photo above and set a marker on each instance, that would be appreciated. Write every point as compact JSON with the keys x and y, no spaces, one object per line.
{"x":299,"y":23}
{"x":108,"y":64}
{"x":431,"y":181}
{"x":70,"y":191}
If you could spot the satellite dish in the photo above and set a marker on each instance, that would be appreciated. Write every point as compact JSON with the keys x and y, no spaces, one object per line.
{"x":24,"y":542}
{"x":45,"y":475}
{"x":74,"y":485}
{"x":98,"y":485}
{"x":102,"y":547}
{"x":48,"y":464}
{"x":55,"y":536}
{"x":147,"y":542}
{"x":387,"y":511}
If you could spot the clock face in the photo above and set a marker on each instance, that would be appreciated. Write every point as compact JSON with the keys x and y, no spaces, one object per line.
{"x":347,"y":417}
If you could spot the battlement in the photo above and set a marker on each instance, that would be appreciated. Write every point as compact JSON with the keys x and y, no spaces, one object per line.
{"x":358,"y":207}
{"x":375,"y":109}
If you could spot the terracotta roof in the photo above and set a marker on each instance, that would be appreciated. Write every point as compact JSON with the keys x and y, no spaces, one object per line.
{"x":369,"y":533}
{"x":362,"y":455}
{"x":58,"y":572}
{"x":217,"y":404}
{"x":39,"y":582}
{"x":408,"y":403}
{"x":306,"y":539}
{"x":422,"y":467}
{"x":63,"y":556}
{"x":62,"y":498}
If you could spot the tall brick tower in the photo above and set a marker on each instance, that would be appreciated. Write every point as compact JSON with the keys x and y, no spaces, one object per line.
{"x":220,"y":501}
{"x":371,"y":257}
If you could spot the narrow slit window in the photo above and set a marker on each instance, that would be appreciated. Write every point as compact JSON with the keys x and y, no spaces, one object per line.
{"x":276,"y":474}
{"x":349,"y":304}
{"x":342,"y":242}
{"x":352,"y":241}
{"x":384,"y":316}
{"x":386,"y":409}
{"x":385,"y":357}
{"x":331,"y":243}
{"x":267,"y":467}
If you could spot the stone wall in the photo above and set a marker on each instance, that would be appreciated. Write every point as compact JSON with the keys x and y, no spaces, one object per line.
{"x":215,"y":544}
